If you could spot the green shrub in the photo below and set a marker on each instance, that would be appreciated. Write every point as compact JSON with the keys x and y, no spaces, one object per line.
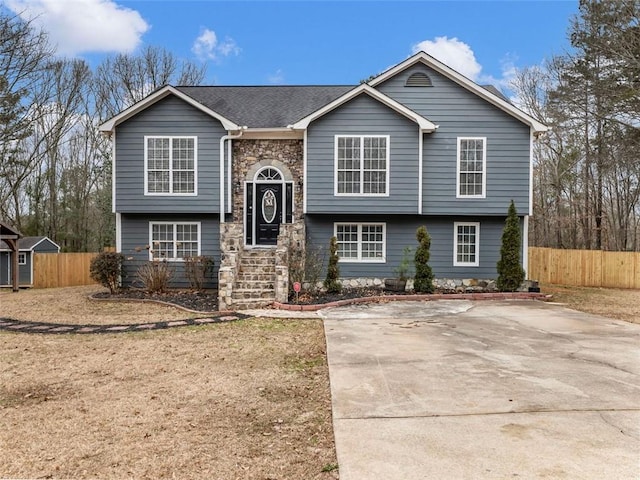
{"x":106,"y":269}
{"x":510,"y":271}
{"x":423,"y":281}
{"x":331,"y":282}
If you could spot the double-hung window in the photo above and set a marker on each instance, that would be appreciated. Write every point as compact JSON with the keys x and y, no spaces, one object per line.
{"x":362,"y":165}
{"x":170,"y":165}
{"x":466,"y":244}
{"x":173,"y":241}
{"x":472,"y":163}
{"x":361,"y":242}
{"x":22,"y":258}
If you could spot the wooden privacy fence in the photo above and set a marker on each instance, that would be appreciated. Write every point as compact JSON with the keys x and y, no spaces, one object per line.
{"x":52,"y":270}
{"x":585,"y":268}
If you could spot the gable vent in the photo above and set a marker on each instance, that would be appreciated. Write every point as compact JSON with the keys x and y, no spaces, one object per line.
{"x":419,"y":80}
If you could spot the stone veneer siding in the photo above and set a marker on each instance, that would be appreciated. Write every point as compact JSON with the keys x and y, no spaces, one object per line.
{"x":286,"y":155}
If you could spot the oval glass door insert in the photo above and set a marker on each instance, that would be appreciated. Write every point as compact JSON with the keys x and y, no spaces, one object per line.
{"x":269,"y":206}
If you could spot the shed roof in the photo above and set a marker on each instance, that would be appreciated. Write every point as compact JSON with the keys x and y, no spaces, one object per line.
{"x":28,"y":243}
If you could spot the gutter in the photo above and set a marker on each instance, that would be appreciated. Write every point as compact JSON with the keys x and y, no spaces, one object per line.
{"x":223,"y":139}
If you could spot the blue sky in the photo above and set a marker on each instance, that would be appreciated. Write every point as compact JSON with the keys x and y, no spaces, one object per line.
{"x":313,"y":42}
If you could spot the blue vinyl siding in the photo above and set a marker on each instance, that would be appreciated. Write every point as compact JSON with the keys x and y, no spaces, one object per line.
{"x":135,"y":238}
{"x":168,"y":117}
{"x":401,"y":233}
{"x":460,"y":113}
{"x":362,"y":115}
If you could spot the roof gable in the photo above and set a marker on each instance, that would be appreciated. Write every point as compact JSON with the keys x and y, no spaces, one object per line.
{"x":483,"y":92}
{"x":424,"y":124}
{"x":158,"y":95}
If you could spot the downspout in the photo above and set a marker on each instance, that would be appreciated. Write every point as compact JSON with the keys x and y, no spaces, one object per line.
{"x":223,"y":139}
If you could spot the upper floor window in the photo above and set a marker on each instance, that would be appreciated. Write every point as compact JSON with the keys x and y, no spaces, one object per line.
{"x":466,"y":241}
{"x":171,"y":241}
{"x":361,"y":242}
{"x":472,"y":160}
{"x":362,"y":165}
{"x":170,"y":165}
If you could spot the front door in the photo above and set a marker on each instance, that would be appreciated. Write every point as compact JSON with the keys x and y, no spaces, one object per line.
{"x":268,"y":214}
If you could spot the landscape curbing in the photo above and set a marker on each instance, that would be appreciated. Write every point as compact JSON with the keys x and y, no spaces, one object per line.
{"x":415,"y":298}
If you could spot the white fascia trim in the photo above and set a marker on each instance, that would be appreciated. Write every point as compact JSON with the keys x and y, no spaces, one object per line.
{"x":425,"y":125}
{"x":464,"y":82}
{"x":272,"y":134}
{"x":156,"y":96}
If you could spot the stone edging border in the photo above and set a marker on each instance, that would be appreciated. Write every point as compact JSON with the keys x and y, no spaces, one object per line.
{"x":159,"y":302}
{"x":415,"y":298}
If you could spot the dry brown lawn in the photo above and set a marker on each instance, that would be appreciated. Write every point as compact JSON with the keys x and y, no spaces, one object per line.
{"x":242,"y":400}
{"x":610,"y":302}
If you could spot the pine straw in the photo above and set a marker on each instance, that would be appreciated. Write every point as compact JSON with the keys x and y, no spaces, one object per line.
{"x":615,"y":303}
{"x":241,"y":400}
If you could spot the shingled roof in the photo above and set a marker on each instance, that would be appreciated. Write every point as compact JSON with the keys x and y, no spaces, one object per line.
{"x":265,"y":106}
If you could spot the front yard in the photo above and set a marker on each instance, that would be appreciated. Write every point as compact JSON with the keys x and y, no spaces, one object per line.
{"x":247,"y":399}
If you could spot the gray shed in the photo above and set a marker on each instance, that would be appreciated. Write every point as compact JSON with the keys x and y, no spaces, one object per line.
{"x":27,"y":246}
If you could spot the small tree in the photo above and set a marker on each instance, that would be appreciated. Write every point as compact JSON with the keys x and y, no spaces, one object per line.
{"x":423,"y":281}
{"x":331,"y":282}
{"x":106,"y":268}
{"x":197,"y":270}
{"x":510,"y":271}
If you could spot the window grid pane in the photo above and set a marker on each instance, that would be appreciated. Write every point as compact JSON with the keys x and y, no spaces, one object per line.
{"x":347,"y":236}
{"x":162,"y":241}
{"x":169,"y":241}
{"x":171,"y":165}
{"x":361,"y":165}
{"x":466,"y":244}
{"x":471,"y":163}
{"x":372,"y":241}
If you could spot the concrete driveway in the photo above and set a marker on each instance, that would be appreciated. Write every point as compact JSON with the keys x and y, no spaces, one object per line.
{"x":484,"y":390}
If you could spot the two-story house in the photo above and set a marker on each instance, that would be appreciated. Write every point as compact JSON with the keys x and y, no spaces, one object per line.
{"x":242,"y":173}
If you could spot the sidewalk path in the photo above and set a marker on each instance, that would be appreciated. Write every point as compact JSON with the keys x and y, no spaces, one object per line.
{"x":13,"y":325}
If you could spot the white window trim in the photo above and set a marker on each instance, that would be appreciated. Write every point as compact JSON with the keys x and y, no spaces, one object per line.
{"x":22,"y":255}
{"x":456,"y":263}
{"x":175,"y":249}
{"x":484,"y":167}
{"x":195,"y":167}
{"x":383,"y":259}
{"x":335,"y":167}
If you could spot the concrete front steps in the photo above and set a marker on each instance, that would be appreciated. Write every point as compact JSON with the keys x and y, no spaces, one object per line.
{"x":254,"y":286}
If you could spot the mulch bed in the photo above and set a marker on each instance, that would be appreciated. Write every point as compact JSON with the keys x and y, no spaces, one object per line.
{"x":190,"y":300}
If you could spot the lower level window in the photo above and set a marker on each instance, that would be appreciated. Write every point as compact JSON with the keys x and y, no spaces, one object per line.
{"x":361,"y":242}
{"x":170,"y":241}
{"x":466,"y":241}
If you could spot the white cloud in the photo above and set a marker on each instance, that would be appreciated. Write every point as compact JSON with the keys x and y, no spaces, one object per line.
{"x":453,"y":53}
{"x":207,"y":47}
{"x":276,"y":78}
{"x":77,"y":26}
